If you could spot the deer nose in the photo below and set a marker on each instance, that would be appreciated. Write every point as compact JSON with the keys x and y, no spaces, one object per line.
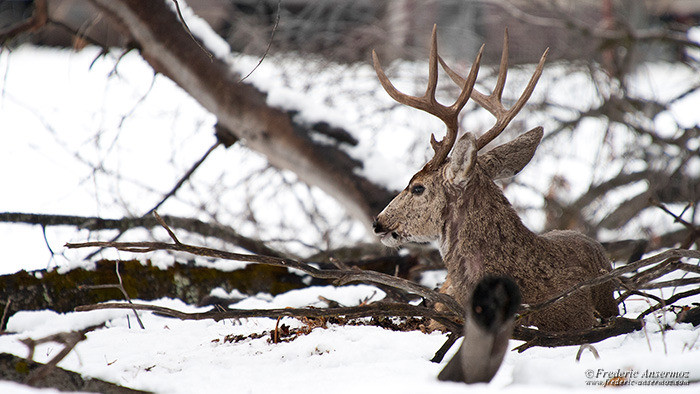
{"x":377,"y":227}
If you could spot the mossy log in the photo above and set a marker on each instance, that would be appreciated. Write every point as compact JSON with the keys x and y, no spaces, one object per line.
{"x":61,"y":292}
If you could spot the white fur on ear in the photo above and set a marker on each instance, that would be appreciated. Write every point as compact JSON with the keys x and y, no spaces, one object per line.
{"x":462,"y":159}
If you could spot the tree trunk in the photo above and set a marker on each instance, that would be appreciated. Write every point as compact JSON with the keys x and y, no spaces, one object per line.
{"x":163,"y":42}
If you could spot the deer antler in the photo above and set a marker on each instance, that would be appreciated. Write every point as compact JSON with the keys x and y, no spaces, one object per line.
{"x":449,"y":115}
{"x":492,"y":102}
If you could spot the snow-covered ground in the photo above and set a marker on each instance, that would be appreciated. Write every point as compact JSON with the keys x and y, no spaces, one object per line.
{"x":173,"y":356}
{"x":109,"y":139}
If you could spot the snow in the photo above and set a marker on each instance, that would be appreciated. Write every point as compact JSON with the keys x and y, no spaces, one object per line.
{"x":173,"y":356}
{"x":108,"y":138}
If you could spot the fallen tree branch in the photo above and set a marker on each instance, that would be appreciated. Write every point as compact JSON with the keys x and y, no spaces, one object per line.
{"x":93,"y":223}
{"x":16,"y":369}
{"x":671,"y":254}
{"x":669,"y":301}
{"x":374,"y":309}
{"x":616,"y":326}
{"x":341,"y":276}
{"x":67,"y":339}
{"x":451,"y":339}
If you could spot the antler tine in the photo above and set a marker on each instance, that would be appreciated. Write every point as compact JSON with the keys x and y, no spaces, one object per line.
{"x":425,"y":103}
{"x":503,"y":121}
{"x":492,"y":102}
{"x":468,"y":89}
{"x":401,"y":98}
{"x":432,"y":67}
{"x":442,"y":148}
{"x":428,"y":103}
{"x":502,"y":69}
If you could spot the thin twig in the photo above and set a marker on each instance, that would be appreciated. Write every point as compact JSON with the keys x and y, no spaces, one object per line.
{"x":171,"y":193}
{"x":587,"y":346}
{"x":167,"y":228}
{"x":669,"y":301}
{"x":677,"y":218}
{"x":184,"y":178}
{"x":668,"y":254}
{"x":269,"y":43}
{"x":68,"y":339}
{"x":672,"y":283}
{"x":126,"y":295}
{"x":187,"y":29}
{"x":224,"y":233}
{"x":628,"y":293}
{"x":120,"y":287}
{"x":5,"y":314}
{"x":451,"y":339}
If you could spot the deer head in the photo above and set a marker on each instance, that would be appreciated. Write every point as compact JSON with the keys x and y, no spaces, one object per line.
{"x":416,"y":214}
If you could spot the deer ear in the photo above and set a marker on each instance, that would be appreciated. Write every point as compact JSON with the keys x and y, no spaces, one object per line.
{"x":510,"y":158}
{"x":462,"y":159}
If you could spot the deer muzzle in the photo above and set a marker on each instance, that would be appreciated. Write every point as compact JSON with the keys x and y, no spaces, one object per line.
{"x":387,"y":236}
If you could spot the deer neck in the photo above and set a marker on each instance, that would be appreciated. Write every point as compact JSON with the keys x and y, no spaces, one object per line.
{"x":481,"y":229}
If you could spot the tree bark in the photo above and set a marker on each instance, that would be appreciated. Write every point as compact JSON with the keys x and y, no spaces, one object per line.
{"x":163,"y":42}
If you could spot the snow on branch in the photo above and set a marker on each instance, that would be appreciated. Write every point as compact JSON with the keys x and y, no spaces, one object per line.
{"x":452,"y":319}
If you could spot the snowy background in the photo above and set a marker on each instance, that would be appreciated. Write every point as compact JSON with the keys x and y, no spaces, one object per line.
{"x":98,"y":136}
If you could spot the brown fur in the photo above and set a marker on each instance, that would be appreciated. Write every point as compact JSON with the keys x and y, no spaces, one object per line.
{"x":479,"y":233}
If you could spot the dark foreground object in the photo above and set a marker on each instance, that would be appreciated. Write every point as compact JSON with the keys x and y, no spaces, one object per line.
{"x":488,"y":327}
{"x":20,"y":370}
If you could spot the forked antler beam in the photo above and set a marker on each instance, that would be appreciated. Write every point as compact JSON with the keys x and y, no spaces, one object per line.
{"x":448,"y":114}
{"x":492,"y":102}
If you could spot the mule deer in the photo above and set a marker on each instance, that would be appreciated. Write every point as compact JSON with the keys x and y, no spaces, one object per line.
{"x":455,"y":202}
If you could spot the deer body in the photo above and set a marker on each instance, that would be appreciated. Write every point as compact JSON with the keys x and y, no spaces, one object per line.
{"x":454,"y":201}
{"x":483,"y":235}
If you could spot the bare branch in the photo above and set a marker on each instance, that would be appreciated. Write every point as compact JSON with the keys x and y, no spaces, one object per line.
{"x":121,"y":288}
{"x":341,"y":276}
{"x":184,"y":178}
{"x":669,"y":254}
{"x":165,"y":226}
{"x":374,"y":309}
{"x":215,"y":230}
{"x":269,"y":43}
{"x":68,"y":339}
{"x":37,"y":21}
{"x":187,"y":29}
{"x":617,"y":326}
{"x":669,"y":301}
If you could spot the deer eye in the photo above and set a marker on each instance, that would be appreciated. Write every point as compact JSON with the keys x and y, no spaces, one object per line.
{"x":418,"y":189}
